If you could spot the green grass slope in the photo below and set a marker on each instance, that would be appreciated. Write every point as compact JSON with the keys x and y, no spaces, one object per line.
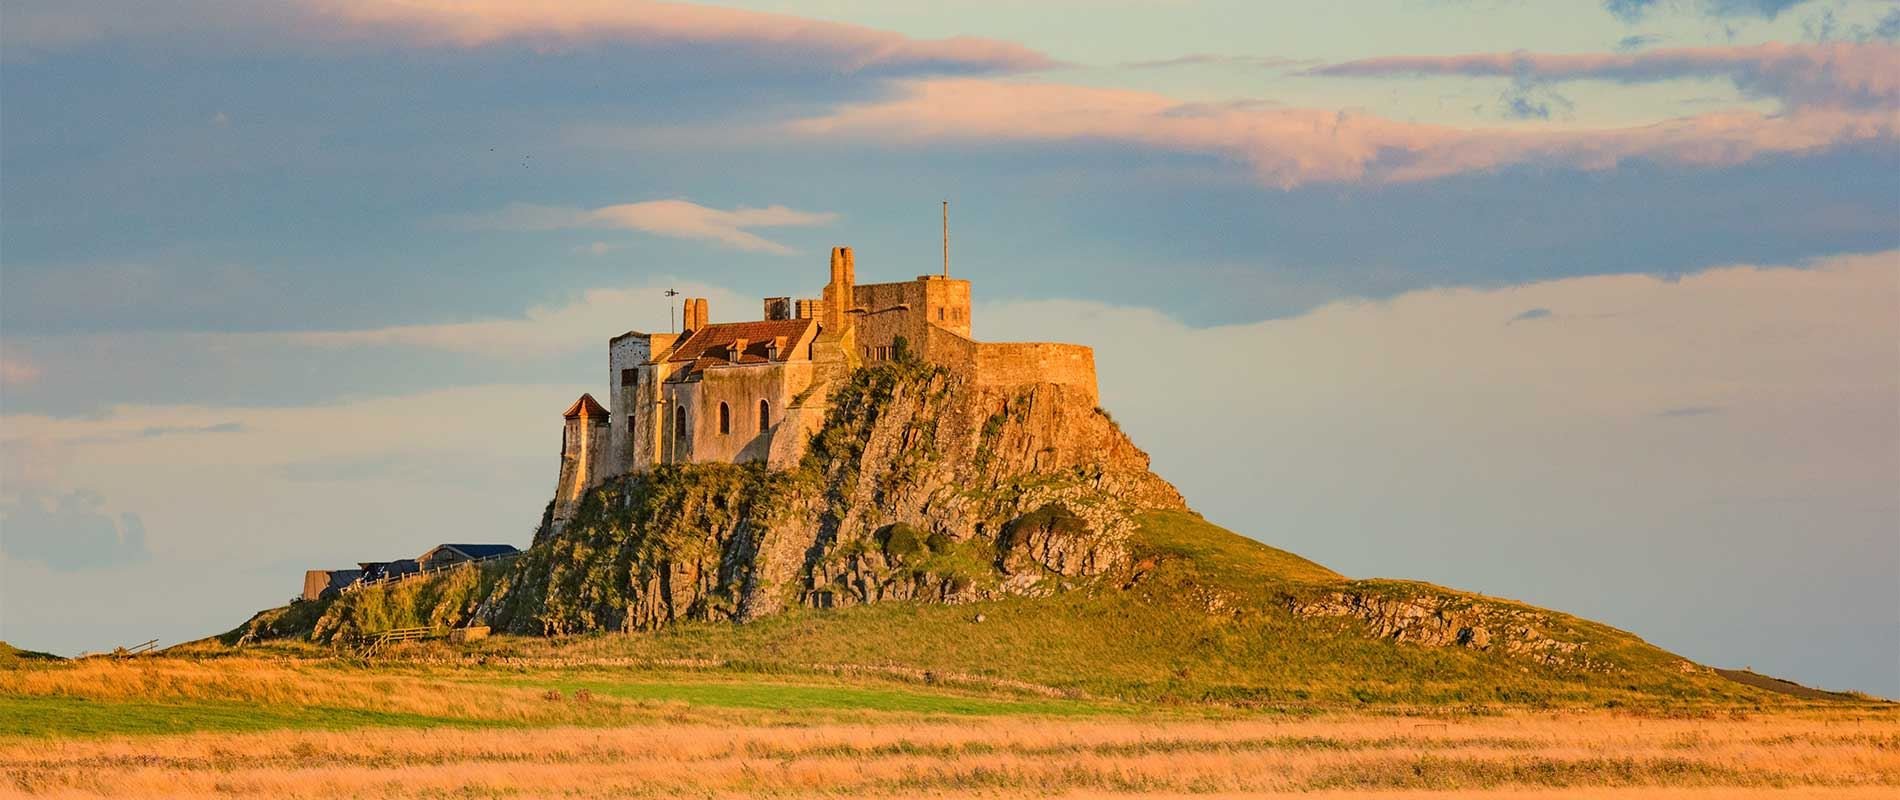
{"x":1204,"y":618}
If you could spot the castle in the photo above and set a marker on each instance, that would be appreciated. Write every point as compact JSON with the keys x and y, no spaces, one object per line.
{"x":758,"y":390}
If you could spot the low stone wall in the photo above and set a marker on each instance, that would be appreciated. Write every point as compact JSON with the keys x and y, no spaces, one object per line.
{"x":994,"y":364}
{"x":1018,"y":363}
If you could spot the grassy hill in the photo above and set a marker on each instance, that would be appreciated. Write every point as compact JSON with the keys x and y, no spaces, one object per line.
{"x":1204,"y":616}
{"x":1015,"y":540}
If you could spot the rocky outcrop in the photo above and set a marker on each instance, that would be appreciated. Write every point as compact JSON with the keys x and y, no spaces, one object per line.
{"x":1413,"y":613}
{"x":920,"y":485}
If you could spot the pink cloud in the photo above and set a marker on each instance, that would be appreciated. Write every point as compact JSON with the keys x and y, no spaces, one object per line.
{"x":18,"y":371}
{"x":1288,"y":146}
{"x":675,"y":218}
{"x":562,"y":25}
{"x":1836,"y":74}
{"x":474,"y":23}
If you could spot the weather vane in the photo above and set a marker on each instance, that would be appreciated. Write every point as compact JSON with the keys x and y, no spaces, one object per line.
{"x":671,"y":328}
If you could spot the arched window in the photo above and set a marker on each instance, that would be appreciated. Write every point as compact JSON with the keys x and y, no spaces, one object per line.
{"x":679,"y":420}
{"x":765,"y":416}
{"x":725,"y":419}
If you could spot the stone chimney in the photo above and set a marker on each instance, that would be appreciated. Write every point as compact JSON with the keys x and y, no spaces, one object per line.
{"x":693,"y":315}
{"x":804,"y":310}
{"x":838,"y":292}
{"x":777,"y":308}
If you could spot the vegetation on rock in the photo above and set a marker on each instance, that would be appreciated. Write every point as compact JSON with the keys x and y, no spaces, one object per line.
{"x":920,"y":495}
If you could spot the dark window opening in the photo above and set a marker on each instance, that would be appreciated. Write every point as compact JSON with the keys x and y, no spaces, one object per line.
{"x":765,"y":416}
{"x":629,"y":377}
{"x":679,"y":421}
{"x":725,"y":419}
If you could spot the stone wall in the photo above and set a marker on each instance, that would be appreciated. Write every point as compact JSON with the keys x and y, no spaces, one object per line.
{"x":1006,"y":364}
{"x":909,"y":309}
{"x":1001,"y":364}
{"x":624,"y":354}
{"x":741,"y":389}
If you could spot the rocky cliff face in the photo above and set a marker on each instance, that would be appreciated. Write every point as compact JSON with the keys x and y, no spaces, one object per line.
{"x":1414,"y":613}
{"x":919,"y":486}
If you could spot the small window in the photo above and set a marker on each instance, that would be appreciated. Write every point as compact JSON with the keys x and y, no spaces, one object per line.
{"x":940,"y":315}
{"x":679,"y":421}
{"x":725,"y":419}
{"x":629,"y":377}
{"x":765,"y":416}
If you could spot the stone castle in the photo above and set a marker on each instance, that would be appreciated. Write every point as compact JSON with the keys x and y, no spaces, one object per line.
{"x":758,"y":390}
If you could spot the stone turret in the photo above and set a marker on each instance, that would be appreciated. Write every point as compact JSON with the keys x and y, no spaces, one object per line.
{"x":584,"y":451}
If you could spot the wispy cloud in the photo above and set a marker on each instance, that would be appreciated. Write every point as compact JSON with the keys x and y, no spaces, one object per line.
{"x":1289,"y":147}
{"x":566,"y":25}
{"x":1834,"y":74}
{"x":155,"y":431}
{"x":681,"y":219}
{"x":1634,"y":11}
{"x":18,"y":371}
{"x":538,"y":333}
{"x":71,"y":531}
{"x":1217,"y":60}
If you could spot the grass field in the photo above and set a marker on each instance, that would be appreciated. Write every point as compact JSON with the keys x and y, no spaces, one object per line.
{"x":1194,"y":679}
{"x":280,"y":724}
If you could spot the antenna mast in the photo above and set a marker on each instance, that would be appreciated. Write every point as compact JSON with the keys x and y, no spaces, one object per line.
{"x":946,"y":238}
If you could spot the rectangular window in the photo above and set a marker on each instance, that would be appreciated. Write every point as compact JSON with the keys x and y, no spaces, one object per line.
{"x":629,"y":377}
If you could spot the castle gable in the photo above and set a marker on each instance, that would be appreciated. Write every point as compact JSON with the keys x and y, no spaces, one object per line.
{"x":741,"y":343}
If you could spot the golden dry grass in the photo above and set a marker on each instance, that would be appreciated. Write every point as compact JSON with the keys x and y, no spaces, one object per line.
{"x":1557,"y":754}
{"x":278,"y":684}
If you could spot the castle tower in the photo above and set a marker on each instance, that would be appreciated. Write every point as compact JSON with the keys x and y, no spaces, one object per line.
{"x":584,"y":448}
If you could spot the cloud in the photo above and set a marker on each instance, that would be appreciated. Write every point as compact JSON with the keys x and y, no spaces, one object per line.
{"x":680,"y":219}
{"x":18,"y":371}
{"x":1528,"y":99}
{"x":1689,"y":411}
{"x":178,"y":430}
{"x":1767,"y":9}
{"x":1290,"y":147}
{"x":1636,"y":42}
{"x":1833,"y":74}
{"x":1535,"y":313}
{"x":541,"y":332}
{"x":1418,"y":437}
{"x":465,"y":24}
{"x":1634,"y":11}
{"x":70,"y":532}
{"x":1629,"y":11}
{"x":1213,"y":59}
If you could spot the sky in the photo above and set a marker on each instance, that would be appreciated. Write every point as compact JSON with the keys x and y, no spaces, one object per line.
{"x":1592,"y":305}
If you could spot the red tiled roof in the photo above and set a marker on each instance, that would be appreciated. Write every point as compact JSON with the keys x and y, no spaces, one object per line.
{"x":711,"y":345}
{"x":587,"y":406}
